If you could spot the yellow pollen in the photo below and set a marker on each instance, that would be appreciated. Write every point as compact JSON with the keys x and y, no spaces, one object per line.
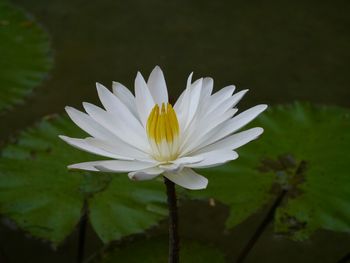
{"x":162,"y":124}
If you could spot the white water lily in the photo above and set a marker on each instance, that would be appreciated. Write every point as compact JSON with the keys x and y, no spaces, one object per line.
{"x":146,"y":136}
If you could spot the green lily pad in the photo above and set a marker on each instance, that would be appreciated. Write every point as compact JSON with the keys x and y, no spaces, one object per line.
{"x":25,"y":55}
{"x":156,"y":251}
{"x":304,"y":151}
{"x":46,"y":200}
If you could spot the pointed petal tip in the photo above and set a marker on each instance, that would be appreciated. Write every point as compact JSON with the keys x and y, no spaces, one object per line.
{"x":99,"y":86}
{"x":116,"y":83}
{"x":202,"y":186}
{"x":157,"y":68}
{"x":264,"y":106}
{"x":101,"y":168}
{"x":131,"y":176}
{"x":72,"y":167}
{"x":70,"y":110}
{"x":146,"y":174}
{"x":63,"y":137}
{"x":139,"y":77}
{"x":233,"y":88}
{"x":259,"y":130}
{"x":85,"y":104}
{"x":208,"y":80}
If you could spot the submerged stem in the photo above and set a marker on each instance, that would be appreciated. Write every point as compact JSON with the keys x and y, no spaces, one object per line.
{"x":82,"y":234}
{"x":261,"y":228}
{"x":174,"y":241}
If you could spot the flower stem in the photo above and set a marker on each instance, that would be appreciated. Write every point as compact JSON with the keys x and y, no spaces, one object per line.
{"x":82,"y":234}
{"x":261,"y":228}
{"x":174,"y":242}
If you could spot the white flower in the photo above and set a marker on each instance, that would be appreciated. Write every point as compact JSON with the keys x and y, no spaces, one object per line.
{"x":146,"y":136}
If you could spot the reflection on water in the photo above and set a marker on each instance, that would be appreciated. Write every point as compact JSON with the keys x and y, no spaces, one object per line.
{"x":282,"y":51}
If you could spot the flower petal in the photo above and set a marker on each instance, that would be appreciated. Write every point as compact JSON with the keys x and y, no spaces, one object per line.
{"x":157,"y":86}
{"x":230,"y":126}
{"x":178,"y":164}
{"x":101,"y":133}
{"x":83,"y":144}
{"x":143,"y":99}
{"x":119,"y":128}
{"x":179,"y":104}
{"x":188,"y":160}
{"x":120,"y":148}
{"x":88,"y":124}
{"x":120,"y":166}
{"x":125,"y":95}
{"x":197,"y":133}
{"x":234,"y":141}
{"x":188,"y":178}
{"x":186,"y":110}
{"x":172,"y":167}
{"x":87,"y":166}
{"x":217,"y":98}
{"x":115,"y":106}
{"x":207,"y":88}
{"x":146,"y":174}
{"x":214,"y":158}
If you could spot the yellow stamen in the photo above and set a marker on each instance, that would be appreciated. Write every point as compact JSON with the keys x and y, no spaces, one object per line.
{"x":162,"y":124}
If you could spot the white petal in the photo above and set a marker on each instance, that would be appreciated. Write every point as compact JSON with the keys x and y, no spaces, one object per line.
{"x":114,"y":105}
{"x":198,"y":134}
{"x":83,"y":144}
{"x":179,"y":104}
{"x":119,"y":147}
{"x":195,"y":92}
{"x":188,"y":178}
{"x":238,"y":96}
{"x":143,"y":99}
{"x":99,"y":132}
{"x":189,"y":104}
{"x":234,"y":141}
{"x":157,"y":86}
{"x":178,"y":164}
{"x":225,"y":105}
{"x":188,"y":160}
{"x":125,"y":95}
{"x":87,"y":166}
{"x":221,"y":95}
{"x":172,"y":167}
{"x":119,"y":166}
{"x":207,"y":89}
{"x":231,"y":126}
{"x":88,"y":124}
{"x":146,"y":174}
{"x":121,"y":129}
{"x":214,"y":158}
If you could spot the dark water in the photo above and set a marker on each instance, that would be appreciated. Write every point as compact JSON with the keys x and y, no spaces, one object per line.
{"x":281,"y":50}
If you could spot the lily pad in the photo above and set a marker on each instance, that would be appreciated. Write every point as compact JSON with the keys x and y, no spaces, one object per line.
{"x":46,"y":200}
{"x":156,"y":251}
{"x":304,"y":153}
{"x":25,"y":55}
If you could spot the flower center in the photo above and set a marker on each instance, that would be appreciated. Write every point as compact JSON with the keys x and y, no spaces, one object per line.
{"x":163,"y":131}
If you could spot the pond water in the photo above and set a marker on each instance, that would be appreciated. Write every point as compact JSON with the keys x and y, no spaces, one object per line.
{"x":281,"y":50}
